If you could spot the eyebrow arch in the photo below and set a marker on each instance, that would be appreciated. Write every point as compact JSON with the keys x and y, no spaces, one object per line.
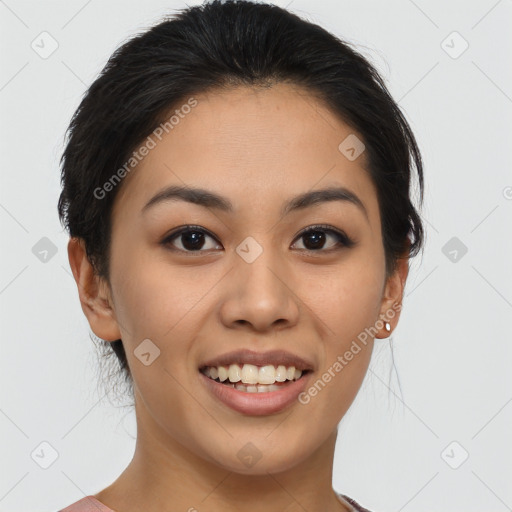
{"x":214,"y":201}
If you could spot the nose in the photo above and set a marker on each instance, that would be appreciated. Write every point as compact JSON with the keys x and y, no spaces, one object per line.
{"x":260,"y":295}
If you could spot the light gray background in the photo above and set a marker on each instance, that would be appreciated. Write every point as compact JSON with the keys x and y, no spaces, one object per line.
{"x":452,"y":346}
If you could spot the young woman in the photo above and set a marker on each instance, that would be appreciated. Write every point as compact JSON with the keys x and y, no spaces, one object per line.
{"x":237,"y":189}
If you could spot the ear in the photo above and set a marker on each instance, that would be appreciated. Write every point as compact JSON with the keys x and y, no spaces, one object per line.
{"x":393,"y":294}
{"x":94,"y":293}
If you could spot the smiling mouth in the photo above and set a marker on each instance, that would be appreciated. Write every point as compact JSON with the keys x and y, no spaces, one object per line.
{"x":250,"y":378}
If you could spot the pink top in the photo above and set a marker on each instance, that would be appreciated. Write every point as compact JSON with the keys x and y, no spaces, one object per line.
{"x":87,"y":504}
{"x":91,"y":504}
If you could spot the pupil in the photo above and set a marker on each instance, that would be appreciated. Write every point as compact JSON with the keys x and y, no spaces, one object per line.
{"x":192,"y":240}
{"x":318,"y":238}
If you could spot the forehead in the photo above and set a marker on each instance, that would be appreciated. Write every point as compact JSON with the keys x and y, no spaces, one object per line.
{"x":256,"y":146}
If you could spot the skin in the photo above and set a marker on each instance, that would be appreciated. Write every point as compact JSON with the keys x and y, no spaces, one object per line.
{"x":257,"y":147}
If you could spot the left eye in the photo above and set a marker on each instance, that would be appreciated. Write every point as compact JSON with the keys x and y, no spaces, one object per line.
{"x":316,"y":237}
{"x":192,"y":239}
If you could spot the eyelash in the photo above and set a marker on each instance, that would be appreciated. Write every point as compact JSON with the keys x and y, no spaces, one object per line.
{"x":343,"y":241}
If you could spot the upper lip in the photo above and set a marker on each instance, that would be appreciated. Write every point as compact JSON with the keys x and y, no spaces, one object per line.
{"x":273,"y":357}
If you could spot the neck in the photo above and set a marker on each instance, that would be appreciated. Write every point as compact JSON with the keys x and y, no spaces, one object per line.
{"x":165,"y":476}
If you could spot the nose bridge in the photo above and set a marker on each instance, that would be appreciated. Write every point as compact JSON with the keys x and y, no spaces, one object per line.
{"x":259,"y":293}
{"x":257,"y":266}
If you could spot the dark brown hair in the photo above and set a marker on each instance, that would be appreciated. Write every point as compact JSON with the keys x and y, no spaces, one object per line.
{"x":220,"y":44}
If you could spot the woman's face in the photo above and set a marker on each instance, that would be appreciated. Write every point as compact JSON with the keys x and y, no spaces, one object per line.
{"x":246,"y":279}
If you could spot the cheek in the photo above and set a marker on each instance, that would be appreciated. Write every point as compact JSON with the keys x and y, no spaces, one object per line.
{"x":154,"y":298}
{"x":348,"y":306}
{"x":347,"y":298}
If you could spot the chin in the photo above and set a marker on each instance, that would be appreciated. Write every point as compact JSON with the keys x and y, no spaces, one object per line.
{"x":258,"y":458}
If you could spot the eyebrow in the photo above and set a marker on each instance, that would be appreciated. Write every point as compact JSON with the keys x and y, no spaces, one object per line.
{"x":214,"y":201}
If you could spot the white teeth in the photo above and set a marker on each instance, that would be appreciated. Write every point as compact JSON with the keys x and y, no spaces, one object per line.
{"x":267,"y":374}
{"x":255,"y":389}
{"x":261,"y":388}
{"x":234,"y":373}
{"x":250,"y":374}
{"x":223,"y":373}
{"x":281,"y":373}
{"x":253,"y":375}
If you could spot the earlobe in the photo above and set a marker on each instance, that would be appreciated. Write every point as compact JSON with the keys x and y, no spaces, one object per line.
{"x":94,"y":293}
{"x":393,"y":296}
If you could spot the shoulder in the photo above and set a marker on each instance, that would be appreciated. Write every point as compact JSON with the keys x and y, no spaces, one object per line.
{"x":87,"y":504}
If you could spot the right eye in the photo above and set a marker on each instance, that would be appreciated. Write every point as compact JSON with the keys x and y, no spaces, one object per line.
{"x":191,"y":239}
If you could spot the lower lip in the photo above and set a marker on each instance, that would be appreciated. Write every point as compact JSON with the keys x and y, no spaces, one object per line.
{"x":256,"y":404}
